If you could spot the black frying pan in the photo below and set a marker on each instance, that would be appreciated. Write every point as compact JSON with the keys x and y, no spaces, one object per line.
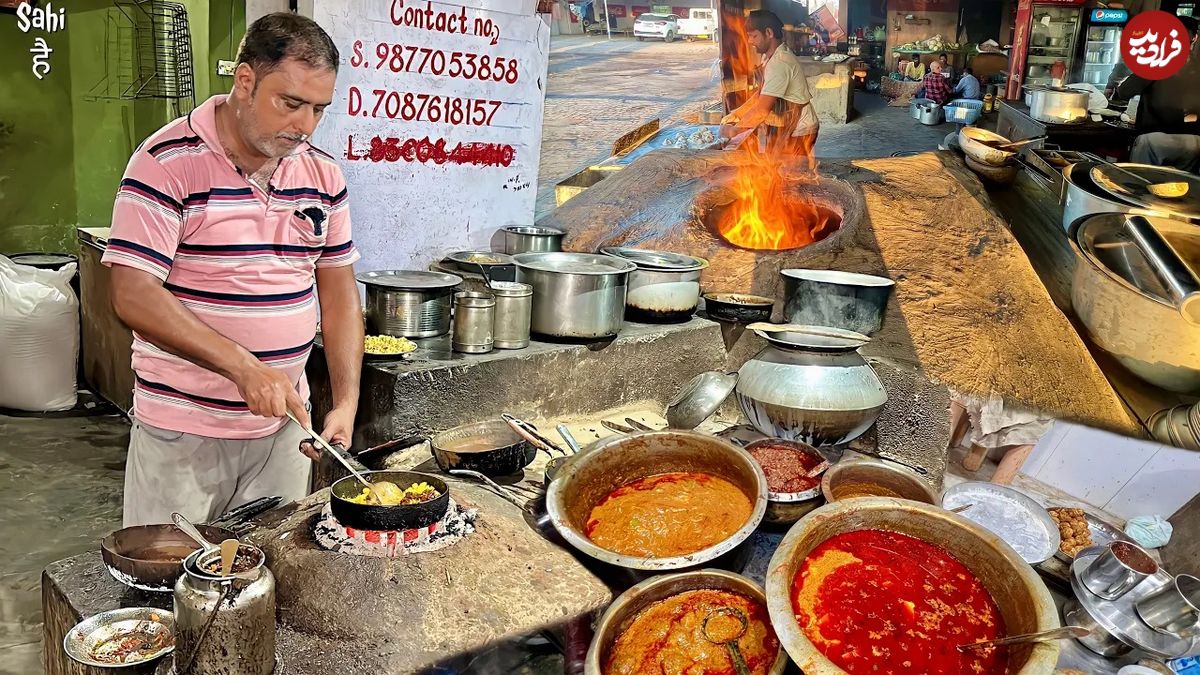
{"x":150,"y":557}
{"x":377,"y":517}
{"x":737,"y":307}
{"x":491,"y":448}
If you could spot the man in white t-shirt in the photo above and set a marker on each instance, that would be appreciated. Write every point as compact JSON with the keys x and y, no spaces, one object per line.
{"x":783,"y":105}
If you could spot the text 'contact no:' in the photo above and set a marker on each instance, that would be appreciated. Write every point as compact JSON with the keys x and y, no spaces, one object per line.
{"x":46,"y":19}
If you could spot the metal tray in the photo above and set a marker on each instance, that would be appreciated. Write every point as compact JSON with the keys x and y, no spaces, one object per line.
{"x":1041,"y":160}
{"x":1102,"y":533}
{"x":1021,"y":522}
{"x":1119,"y":616}
{"x":81,"y":641}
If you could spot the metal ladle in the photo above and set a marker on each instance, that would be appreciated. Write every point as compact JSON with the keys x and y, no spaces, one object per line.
{"x":1041,"y":636}
{"x":190,"y":530}
{"x":378,"y":490}
{"x":735,"y":653}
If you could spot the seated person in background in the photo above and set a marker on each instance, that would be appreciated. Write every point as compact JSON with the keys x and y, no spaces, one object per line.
{"x":947,"y":70}
{"x":1168,"y":116}
{"x":968,"y":86}
{"x":935,"y":87}
{"x":915,"y":70}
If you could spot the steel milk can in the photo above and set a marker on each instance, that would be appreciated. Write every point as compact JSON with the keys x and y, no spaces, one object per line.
{"x":225,"y":624}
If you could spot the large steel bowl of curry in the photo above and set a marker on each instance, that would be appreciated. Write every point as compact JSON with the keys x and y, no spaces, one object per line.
{"x":616,"y":462}
{"x":1023,"y":601}
{"x":620,"y":615}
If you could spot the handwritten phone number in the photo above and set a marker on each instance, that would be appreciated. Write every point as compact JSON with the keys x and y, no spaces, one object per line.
{"x":412,"y":107}
{"x":426,"y":150}
{"x":464,"y":65}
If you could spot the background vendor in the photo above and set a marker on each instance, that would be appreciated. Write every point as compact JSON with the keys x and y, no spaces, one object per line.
{"x":783,"y":105}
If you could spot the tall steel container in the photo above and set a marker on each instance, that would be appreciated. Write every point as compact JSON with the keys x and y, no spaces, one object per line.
{"x":224,"y":625}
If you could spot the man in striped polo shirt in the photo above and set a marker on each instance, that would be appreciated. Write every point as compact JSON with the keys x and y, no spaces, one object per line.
{"x":228,"y":231}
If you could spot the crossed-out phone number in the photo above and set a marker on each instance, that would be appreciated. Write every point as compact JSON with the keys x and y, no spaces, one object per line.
{"x":412,"y":107}
{"x":464,"y":65}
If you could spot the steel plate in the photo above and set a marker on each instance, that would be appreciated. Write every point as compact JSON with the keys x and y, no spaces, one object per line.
{"x":408,"y":280}
{"x":1119,"y":616}
{"x":659,"y":260}
{"x":1021,"y":522}
{"x":1129,"y":188}
{"x":81,"y":641}
{"x":1102,"y":534}
{"x":462,"y":259}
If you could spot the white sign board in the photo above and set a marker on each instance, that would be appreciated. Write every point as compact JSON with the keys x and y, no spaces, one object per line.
{"x":437,"y":121}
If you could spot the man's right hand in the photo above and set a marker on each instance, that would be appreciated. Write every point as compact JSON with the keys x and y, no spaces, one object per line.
{"x":269,"y":392}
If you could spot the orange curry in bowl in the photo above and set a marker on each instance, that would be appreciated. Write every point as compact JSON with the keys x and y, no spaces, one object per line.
{"x":887,"y":603}
{"x":668,"y":637}
{"x":668,"y":514}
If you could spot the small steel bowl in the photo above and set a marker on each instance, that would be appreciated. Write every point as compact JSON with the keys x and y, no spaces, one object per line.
{"x":873,"y":478}
{"x":628,"y":605}
{"x":785,"y":508}
{"x":699,"y":399}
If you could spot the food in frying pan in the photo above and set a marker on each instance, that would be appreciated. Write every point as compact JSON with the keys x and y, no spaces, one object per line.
{"x":390,"y":494}
{"x":386,"y":344}
{"x":1073,"y":528}
{"x":668,"y":514}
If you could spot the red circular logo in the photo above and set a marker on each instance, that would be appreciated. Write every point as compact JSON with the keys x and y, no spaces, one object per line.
{"x":1155,"y":45}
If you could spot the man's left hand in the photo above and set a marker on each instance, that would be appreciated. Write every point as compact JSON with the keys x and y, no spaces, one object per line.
{"x":339,"y":429}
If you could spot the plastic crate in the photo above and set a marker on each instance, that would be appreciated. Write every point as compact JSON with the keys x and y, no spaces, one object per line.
{"x":963,"y":111}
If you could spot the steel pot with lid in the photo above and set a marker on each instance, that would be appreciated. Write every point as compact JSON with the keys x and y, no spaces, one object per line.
{"x":1058,"y":105}
{"x":665,"y":287}
{"x":408,"y":303}
{"x":575,"y":295}
{"x":1126,"y":309}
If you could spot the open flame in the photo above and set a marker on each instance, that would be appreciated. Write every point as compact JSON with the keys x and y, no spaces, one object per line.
{"x":764,"y":213}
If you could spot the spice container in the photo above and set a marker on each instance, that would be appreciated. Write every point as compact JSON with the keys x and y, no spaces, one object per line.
{"x":514,"y":308}
{"x":474,"y":314}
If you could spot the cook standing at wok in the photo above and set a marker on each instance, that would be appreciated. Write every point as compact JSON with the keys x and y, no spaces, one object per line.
{"x":783,"y":105}
{"x":228,"y":230}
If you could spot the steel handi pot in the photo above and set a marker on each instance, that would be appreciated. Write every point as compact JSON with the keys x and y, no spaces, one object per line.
{"x":532,"y":239}
{"x":665,"y":287}
{"x":1126,"y":309}
{"x":621,"y":613}
{"x":225,"y":624}
{"x":616,"y":461}
{"x":575,"y":295}
{"x":1022,"y":598}
{"x":408,"y":303}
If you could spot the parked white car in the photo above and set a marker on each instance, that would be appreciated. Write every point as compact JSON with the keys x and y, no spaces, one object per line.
{"x":659,"y":26}
{"x":700,"y":22}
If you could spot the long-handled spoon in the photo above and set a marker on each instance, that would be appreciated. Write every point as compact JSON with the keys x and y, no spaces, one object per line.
{"x":378,"y":490}
{"x":1042,"y":636}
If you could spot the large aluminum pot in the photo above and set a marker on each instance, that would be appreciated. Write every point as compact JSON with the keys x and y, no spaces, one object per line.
{"x":629,"y":604}
{"x":845,"y":300}
{"x":665,"y":286}
{"x":812,"y":389}
{"x":575,"y":295}
{"x":1023,"y":600}
{"x":536,"y":239}
{"x":1081,"y":197}
{"x":1058,"y":105}
{"x":619,"y":460}
{"x":1125,"y":308}
{"x":408,"y":303}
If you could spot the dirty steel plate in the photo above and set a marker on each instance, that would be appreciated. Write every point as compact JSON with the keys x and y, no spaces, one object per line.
{"x":1119,"y":616}
{"x":88,"y":640}
{"x":1021,"y":522}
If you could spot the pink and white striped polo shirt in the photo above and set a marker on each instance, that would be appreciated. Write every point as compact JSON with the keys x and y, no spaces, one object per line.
{"x":241,"y":259}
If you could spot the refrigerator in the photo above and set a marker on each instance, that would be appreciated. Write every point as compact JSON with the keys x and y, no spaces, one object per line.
{"x":1100,"y":47}
{"x":1053,"y":40}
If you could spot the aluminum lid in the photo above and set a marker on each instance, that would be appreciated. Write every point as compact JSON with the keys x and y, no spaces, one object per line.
{"x":574,"y":263}
{"x":1131,"y":183}
{"x":408,"y":280}
{"x":656,"y":260}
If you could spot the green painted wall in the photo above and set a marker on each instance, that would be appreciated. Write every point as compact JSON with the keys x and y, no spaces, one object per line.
{"x":71,"y":141}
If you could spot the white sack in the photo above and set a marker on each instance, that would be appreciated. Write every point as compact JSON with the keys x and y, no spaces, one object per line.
{"x":39,"y":337}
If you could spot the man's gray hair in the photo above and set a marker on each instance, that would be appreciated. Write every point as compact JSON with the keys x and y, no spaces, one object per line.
{"x":283,"y":35}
